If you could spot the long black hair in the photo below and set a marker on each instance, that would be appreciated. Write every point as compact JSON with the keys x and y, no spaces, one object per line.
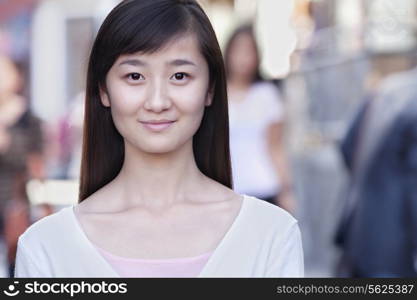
{"x":146,"y":26}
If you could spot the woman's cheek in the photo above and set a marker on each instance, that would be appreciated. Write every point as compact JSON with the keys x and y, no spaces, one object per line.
{"x":124,"y":111}
{"x":194,"y":108}
{"x":119,"y":120}
{"x":125,"y":107}
{"x":192,"y":99}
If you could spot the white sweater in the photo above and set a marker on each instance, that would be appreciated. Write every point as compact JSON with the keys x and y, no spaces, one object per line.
{"x":263,"y":241}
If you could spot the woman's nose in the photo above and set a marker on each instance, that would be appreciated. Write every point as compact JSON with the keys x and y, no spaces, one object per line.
{"x":157,"y":99}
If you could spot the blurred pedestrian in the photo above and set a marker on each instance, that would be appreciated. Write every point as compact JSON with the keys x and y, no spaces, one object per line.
{"x":378,"y":230}
{"x":256,"y":115}
{"x":21,"y":143}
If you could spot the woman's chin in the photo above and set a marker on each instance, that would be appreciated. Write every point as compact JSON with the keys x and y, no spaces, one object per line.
{"x":157,"y":148}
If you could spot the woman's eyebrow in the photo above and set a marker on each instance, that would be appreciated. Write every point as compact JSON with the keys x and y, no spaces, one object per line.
{"x":133,"y":62}
{"x":180,"y":62}
{"x":138,"y":62}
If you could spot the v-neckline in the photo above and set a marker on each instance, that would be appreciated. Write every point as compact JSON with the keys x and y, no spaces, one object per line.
{"x":94,"y":251}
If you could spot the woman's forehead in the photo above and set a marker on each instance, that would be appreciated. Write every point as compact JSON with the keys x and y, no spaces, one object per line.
{"x":179,"y":50}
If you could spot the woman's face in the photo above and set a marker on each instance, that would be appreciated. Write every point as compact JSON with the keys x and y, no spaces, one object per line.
{"x":10,"y":79}
{"x":157,"y":100}
{"x":242,"y":59}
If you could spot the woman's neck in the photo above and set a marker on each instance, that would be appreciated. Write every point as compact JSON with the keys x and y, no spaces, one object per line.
{"x":239,"y":83}
{"x":158,"y":181}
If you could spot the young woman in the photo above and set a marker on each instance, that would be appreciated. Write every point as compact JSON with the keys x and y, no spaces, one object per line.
{"x":156,"y":196}
{"x":256,"y":116}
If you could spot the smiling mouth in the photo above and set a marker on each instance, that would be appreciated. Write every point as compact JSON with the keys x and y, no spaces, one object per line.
{"x":157,"y":126}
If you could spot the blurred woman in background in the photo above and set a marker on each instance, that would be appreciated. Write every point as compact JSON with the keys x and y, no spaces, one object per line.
{"x":21,"y":143}
{"x":256,"y":125}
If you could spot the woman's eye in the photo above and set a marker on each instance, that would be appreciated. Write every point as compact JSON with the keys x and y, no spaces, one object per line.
{"x":135,"y":76}
{"x":180,"y":76}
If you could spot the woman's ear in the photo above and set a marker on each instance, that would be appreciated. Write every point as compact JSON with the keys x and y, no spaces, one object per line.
{"x":104,"y":97}
{"x":209,"y":96}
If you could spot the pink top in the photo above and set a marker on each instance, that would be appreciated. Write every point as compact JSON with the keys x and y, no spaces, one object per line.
{"x":171,"y":267}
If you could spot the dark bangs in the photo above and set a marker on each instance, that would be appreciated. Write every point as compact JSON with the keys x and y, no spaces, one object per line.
{"x":139,"y":27}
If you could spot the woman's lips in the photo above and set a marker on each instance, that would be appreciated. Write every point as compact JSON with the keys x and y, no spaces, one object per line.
{"x":157,"y":126}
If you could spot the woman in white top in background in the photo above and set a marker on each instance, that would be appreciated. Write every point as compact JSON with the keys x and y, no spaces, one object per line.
{"x":256,"y":125}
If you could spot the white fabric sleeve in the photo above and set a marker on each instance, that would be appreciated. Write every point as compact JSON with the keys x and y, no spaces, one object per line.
{"x":25,"y":264}
{"x":287,"y":257}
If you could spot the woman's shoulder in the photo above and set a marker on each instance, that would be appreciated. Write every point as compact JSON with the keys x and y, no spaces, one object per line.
{"x":48,"y":228}
{"x":278,"y":232}
{"x":269,"y":216}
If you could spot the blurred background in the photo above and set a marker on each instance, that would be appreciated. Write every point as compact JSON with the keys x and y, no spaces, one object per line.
{"x":321,"y":62}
